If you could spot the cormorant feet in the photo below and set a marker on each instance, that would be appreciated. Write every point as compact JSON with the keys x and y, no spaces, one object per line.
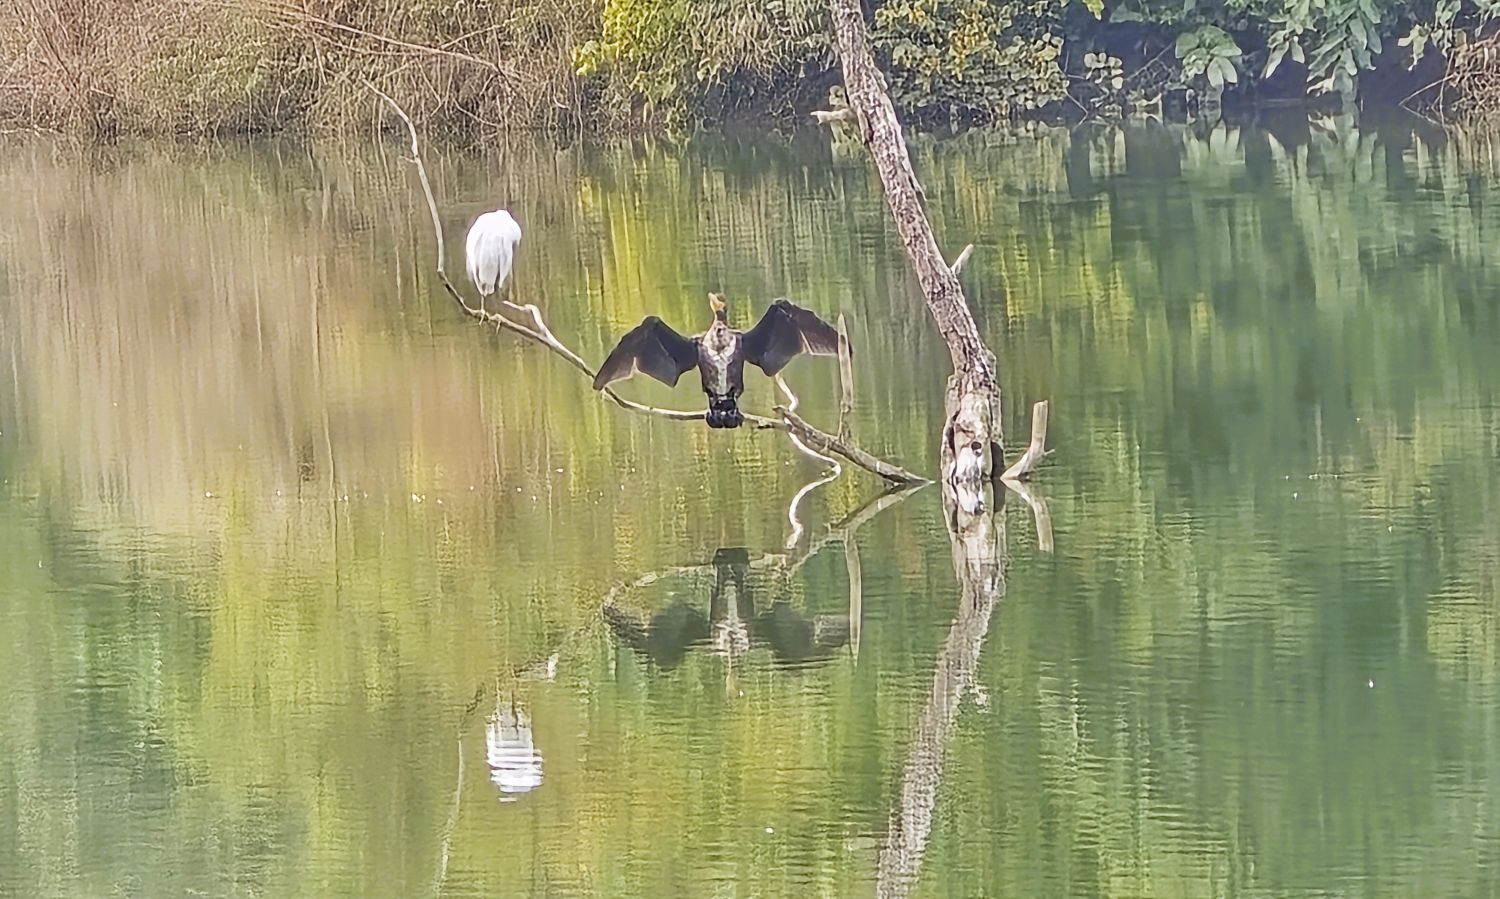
{"x":724,"y":413}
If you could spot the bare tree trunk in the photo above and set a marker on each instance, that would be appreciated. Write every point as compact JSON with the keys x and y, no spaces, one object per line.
{"x":970,"y":448}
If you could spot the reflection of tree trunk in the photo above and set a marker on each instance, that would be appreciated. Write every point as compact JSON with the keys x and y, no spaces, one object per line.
{"x":978,"y":561}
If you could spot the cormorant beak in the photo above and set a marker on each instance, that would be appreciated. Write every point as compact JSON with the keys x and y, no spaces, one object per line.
{"x":716,"y":303}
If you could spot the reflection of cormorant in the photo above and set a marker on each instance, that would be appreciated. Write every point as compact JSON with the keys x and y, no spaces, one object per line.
{"x":795,"y":638}
{"x":665,"y":638}
{"x":732,"y":625}
{"x":730,"y":607}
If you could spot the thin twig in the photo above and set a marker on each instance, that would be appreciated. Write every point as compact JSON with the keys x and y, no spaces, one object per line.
{"x":301,"y":16}
{"x":791,"y":406}
{"x":1446,"y":79}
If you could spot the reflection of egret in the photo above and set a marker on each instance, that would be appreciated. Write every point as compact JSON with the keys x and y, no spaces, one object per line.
{"x":515,"y":763}
{"x":489,"y":250}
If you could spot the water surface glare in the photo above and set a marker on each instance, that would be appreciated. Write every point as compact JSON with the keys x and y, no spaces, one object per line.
{"x":312,"y":587}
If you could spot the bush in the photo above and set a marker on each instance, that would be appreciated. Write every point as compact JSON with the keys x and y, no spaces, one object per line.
{"x":971,"y":59}
{"x":705,"y":59}
{"x":472,"y":67}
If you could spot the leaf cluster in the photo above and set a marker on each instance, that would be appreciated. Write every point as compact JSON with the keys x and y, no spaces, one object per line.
{"x":973,"y":59}
{"x":674,"y":57}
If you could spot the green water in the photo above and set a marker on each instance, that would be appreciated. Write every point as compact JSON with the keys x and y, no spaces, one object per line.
{"x":286,"y":543}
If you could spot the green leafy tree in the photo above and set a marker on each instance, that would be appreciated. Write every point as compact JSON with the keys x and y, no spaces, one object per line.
{"x":974,"y":59}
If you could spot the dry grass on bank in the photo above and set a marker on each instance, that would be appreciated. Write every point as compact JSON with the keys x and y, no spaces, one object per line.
{"x":159,"y":66}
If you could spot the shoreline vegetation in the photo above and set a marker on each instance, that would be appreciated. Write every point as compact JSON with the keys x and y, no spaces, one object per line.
{"x":468,"y":69}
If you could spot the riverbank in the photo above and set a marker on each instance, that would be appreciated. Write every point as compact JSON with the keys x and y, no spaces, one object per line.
{"x":470,"y":68}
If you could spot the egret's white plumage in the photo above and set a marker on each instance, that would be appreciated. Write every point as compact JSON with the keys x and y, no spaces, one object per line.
{"x":489,"y":249}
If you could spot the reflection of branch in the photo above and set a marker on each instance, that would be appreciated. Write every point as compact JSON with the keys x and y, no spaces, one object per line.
{"x":791,"y":509}
{"x":1022,"y":467}
{"x":788,"y":421}
{"x":978,"y":559}
{"x":844,"y":530}
{"x":856,"y":592}
{"x":729,"y":627}
{"x":458,"y":789}
{"x":450,"y":824}
{"x":1039,"y":513}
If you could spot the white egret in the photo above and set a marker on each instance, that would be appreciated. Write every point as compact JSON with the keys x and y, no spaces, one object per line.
{"x":489,"y":250}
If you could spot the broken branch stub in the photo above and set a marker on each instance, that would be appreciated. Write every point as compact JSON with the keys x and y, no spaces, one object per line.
{"x":1023,"y":466}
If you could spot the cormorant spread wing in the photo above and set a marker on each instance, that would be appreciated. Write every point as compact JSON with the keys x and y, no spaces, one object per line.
{"x":784,"y":331}
{"x":651,"y":347}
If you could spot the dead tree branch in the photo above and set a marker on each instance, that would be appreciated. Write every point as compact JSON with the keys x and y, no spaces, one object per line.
{"x":788,"y":421}
{"x":971,"y":441}
{"x":793,"y":423}
{"x":882,"y":135}
{"x":830,"y":116}
{"x":300,"y":16}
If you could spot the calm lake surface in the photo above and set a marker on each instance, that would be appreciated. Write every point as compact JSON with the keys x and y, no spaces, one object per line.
{"x":310,"y":586}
